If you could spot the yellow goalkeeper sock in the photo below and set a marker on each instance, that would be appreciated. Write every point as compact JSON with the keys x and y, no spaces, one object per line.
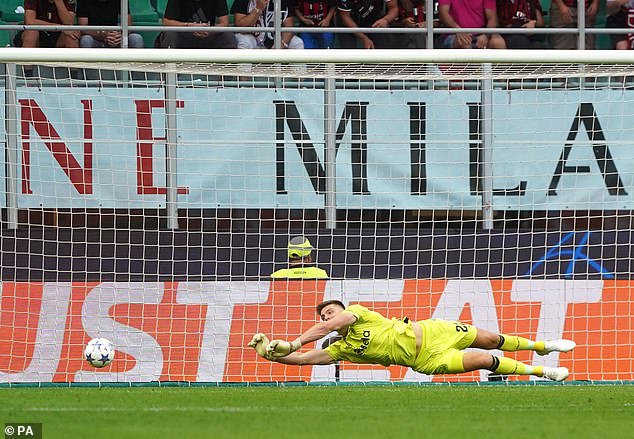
{"x":508,"y":366}
{"x":512,"y":343}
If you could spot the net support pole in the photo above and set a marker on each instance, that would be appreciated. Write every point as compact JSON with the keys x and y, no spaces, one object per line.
{"x":429,"y":18}
{"x":170,"y":151}
{"x":125,"y":75}
{"x":581,"y":24}
{"x":124,"y":24}
{"x":277,"y":22}
{"x":581,"y":36}
{"x":330,"y":141}
{"x":11,"y":127}
{"x":277,"y":35}
{"x":487,"y":145}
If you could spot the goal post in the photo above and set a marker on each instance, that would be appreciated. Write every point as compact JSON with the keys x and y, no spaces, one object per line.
{"x":150,"y":208}
{"x":359,"y":56}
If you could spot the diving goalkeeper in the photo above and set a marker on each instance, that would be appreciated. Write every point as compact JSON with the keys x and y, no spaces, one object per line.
{"x":429,"y":346}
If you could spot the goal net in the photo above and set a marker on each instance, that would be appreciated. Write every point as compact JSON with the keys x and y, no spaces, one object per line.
{"x":150,"y":194}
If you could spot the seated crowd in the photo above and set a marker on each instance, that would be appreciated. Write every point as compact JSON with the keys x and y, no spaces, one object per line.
{"x":523,"y":15}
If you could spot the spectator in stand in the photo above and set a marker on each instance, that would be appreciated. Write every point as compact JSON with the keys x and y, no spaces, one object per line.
{"x":261,"y":13}
{"x":474,"y":14}
{"x":411,"y":14}
{"x":564,"y":14}
{"x":197,"y":13}
{"x":103,"y":13}
{"x":521,"y":14}
{"x":316,"y":13}
{"x":367,"y":13}
{"x":48,"y":13}
{"x":621,"y":15}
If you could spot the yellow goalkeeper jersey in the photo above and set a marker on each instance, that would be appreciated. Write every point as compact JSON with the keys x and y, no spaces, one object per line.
{"x":374,"y":339}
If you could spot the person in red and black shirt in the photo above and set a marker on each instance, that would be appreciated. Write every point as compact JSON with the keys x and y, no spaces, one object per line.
{"x":48,"y":13}
{"x":367,"y":13}
{"x":621,"y":15}
{"x":523,"y":14}
{"x":411,"y":14}
{"x":316,"y":13}
{"x":563,"y":14}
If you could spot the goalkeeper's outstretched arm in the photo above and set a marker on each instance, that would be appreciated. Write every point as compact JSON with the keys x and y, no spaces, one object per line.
{"x":322,"y":329}
{"x":260,"y":343}
{"x":284,"y":352}
{"x":282,"y":348}
{"x":312,"y":357}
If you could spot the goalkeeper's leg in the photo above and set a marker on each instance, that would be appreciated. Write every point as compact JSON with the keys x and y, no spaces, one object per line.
{"x":499,"y":365}
{"x":512,"y":343}
{"x":507,"y":366}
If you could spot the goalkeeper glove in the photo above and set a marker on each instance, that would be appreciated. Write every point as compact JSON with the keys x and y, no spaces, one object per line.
{"x":259,"y":342}
{"x":281,"y":348}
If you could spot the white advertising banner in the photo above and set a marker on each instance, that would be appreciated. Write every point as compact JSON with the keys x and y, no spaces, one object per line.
{"x":264,"y":148}
{"x":198,"y":331}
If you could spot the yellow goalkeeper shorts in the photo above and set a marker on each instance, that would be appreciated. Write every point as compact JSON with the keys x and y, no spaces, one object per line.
{"x":442,"y":347}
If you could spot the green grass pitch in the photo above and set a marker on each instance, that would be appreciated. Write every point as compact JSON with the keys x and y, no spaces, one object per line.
{"x":345,"y":411}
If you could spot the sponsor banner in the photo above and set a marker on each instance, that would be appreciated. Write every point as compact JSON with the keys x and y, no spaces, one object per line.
{"x":198,"y":331}
{"x":264,"y":148}
{"x":81,"y":255}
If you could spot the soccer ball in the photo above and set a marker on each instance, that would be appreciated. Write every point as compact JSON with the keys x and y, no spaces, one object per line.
{"x":99,"y":352}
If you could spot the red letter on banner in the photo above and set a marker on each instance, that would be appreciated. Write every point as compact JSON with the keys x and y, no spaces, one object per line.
{"x":80,"y":177}
{"x":145,"y":143}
